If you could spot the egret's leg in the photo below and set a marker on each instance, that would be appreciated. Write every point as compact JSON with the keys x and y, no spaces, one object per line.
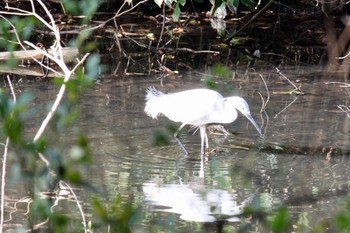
{"x":204,"y":137}
{"x":201,"y":170}
{"x":176,"y":135}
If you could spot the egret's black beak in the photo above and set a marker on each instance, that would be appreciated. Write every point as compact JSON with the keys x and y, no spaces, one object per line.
{"x":251,"y":119}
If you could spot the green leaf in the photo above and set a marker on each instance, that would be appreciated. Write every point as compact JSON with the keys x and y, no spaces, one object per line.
{"x":239,"y":40}
{"x":248,"y":3}
{"x":176,"y":13}
{"x":159,"y":2}
{"x":210,"y":83}
{"x":89,"y":8}
{"x":169,"y":3}
{"x":216,"y":4}
{"x":160,"y":139}
{"x":280,"y":221}
{"x":182,"y":2}
{"x":82,"y":7}
{"x":221,"y":70}
{"x":73,"y":176}
{"x":233,"y":5}
{"x":303,"y":221}
{"x":342,"y":223}
{"x":99,"y":209}
{"x":93,"y":66}
{"x":40,"y":145}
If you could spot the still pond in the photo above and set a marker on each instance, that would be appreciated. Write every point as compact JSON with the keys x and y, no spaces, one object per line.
{"x":302,"y":161}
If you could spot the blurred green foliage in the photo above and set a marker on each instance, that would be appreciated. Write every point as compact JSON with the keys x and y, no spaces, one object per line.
{"x":84,"y":8}
{"x":62,"y":162}
{"x":279,"y":221}
{"x":117,"y":215}
{"x":342,"y":219}
{"x":218,"y":73}
{"x":160,"y":139}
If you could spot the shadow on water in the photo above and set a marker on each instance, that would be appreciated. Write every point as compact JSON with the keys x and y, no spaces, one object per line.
{"x":302,"y":162}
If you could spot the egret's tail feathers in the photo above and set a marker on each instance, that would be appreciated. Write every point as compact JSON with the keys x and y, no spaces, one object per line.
{"x":152,"y":93}
{"x":153,"y":107}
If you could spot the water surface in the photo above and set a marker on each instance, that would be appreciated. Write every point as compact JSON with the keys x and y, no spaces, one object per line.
{"x":302,"y":161}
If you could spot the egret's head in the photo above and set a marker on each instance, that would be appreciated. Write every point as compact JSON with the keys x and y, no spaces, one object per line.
{"x":241,"y":105}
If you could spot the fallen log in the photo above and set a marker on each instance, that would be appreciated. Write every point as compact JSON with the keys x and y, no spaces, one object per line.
{"x":27,"y":71}
{"x":69,"y":54}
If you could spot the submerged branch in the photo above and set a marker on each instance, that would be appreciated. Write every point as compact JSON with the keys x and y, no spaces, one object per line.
{"x":296,"y":90}
{"x":264,"y":104}
{"x":292,"y":102}
{"x":263,"y":107}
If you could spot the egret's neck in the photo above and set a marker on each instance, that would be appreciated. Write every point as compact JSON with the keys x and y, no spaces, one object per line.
{"x":229,"y":113}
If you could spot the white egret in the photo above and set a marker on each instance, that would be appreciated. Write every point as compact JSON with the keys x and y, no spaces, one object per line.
{"x":197,"y":107}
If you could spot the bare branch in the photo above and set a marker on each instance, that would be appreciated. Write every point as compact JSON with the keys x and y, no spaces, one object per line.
{"x":4,"y":163}
{"x":263,"y":107}
{"x":296,"y":89}
{"x":33,"y":46}
{"x":57,"y":55}
{"x":78,"y":205}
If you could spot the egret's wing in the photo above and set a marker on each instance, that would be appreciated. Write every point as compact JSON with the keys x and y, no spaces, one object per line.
{"x":212,"y":113}
{"x":190,"y":106}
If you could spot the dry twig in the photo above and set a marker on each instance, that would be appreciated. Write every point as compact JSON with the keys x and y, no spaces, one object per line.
{"x":296,"y":90}
{"x":264,"y":104}
{"x":4,"y":163}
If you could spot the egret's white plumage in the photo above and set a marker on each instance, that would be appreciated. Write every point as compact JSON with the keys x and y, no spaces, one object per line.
{"x":197,"y":107}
